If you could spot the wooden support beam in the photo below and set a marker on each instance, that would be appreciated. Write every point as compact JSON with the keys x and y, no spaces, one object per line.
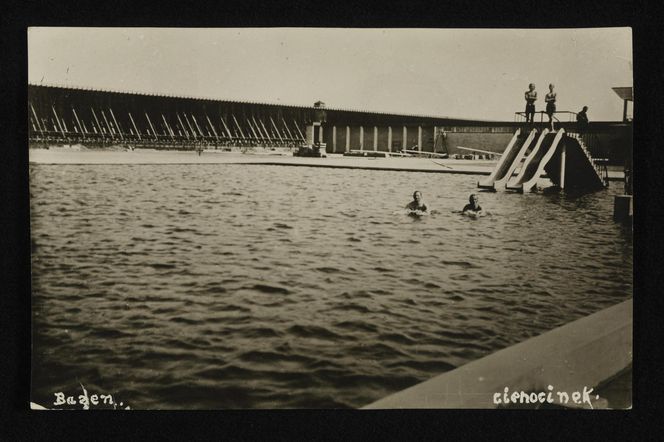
{"x":184,"y":128}
{"x":238,"y":126}
{"x":101,"y":132}
{"x":57,"y":120}
{"x":216,"y":137}
{"x":78,"y":122}
{"x":154,"y":132}
{"x":276,"y":129}
{"x":138,"y":132}
{"x":117,"y":125}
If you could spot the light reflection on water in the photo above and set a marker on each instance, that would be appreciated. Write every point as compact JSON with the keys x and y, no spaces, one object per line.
{"x":226,"y":286}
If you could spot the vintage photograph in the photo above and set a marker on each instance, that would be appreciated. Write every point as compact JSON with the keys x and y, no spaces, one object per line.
{"x":330,"y":218}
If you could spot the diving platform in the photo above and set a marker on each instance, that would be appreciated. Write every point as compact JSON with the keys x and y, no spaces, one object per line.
{"x":564,"y":157}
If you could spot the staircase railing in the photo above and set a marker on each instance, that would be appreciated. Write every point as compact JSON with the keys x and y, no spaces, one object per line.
{"x":592,"y":148}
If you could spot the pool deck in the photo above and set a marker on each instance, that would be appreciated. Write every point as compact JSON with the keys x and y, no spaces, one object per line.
{"x":147,"y":156}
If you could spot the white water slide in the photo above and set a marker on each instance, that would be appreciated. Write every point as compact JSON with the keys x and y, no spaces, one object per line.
{"x":509,"y":160}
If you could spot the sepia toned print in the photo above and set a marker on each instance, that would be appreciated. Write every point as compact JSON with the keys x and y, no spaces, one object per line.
{"x":248,"y":218}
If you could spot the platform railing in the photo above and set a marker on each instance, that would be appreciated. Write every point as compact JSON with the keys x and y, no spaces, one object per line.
{"x":558,"y":116}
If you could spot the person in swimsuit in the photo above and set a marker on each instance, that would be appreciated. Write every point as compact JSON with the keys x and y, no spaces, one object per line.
{"x":531,"y":97}
{"x":417,"y":203}
{"x":550,"y":104}
{"x":473,"y":207}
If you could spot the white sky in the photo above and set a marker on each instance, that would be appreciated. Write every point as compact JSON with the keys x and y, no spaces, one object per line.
{"x":466,"y":73}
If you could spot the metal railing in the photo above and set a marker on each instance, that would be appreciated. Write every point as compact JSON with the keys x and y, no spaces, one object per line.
{"x":565,"y":117}
{"x":596,"y":154}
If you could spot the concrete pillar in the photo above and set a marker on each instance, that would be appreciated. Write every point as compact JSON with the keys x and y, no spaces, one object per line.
{"x":320,"y":135}
{"x":361,"y":137}
{"x":389,"y":138}
{"x":419,"y":138}
{"x":404,"y":141}
{"x":375,"y":138}
{"x":562,"y":166}
{"x":621,"y":207}
{"x":334,"y":139}
{"x":347,"y":138}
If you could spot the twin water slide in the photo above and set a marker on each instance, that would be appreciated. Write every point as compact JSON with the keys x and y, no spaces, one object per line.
{"x":533,"y":167}
{"x":509,"y":160}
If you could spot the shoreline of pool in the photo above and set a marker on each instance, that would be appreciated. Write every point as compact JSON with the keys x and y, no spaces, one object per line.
{"x":149,"y":156}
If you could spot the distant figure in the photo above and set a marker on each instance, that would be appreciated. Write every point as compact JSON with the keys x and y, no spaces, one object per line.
{"x":417,"y":203}
{"x":582,"y":120}
{"x":473,"y":208}
{"x":550,"y":105}
{"x":531,"y":97}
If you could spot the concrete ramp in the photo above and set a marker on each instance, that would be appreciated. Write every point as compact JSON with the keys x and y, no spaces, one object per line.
{"x":508,"y":162}
{"x":534,"y":165}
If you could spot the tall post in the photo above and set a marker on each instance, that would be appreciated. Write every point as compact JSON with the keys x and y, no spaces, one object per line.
{"x":389,"y":138}
{"x":375,"y":138}
{"x":404,"y":141}
{"x":361,"y":137}
{"x":419,"y":138}
{"x":562,"y":166}
{"x":347,"y":138}
{"x":334,"y":139}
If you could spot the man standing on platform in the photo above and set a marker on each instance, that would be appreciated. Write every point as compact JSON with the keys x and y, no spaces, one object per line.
{"x":531,"y":97}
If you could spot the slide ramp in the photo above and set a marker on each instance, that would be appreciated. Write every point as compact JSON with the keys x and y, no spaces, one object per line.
{"x":510,"y":167}
{"x":534,"y":165}
{"x":503,"y":163}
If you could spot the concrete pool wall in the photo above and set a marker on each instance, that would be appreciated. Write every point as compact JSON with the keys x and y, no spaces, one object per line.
{"x":572,"y":358}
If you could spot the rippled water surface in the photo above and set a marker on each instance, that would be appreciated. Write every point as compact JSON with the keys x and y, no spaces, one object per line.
{"x":242,"y":286}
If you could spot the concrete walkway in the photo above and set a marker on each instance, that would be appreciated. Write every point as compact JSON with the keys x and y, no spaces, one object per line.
{"x":147,"y":156}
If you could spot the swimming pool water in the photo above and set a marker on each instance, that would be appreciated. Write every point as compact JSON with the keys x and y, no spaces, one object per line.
{"x":248,"y":286}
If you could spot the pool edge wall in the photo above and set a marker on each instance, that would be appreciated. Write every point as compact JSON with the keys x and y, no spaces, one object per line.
{"x":578,"y":355}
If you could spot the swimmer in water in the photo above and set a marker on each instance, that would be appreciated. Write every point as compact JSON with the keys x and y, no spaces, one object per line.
{"x":417,"y":204}
{"x":473,"y":208}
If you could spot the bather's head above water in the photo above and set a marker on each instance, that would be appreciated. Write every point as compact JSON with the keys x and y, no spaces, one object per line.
{"x":417,"y":203}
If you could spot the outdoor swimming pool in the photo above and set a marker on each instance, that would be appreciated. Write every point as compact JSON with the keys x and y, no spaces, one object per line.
{"x":248,"y":286}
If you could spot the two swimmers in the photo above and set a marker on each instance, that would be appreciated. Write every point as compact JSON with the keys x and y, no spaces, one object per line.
{"x":472,"y":209}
